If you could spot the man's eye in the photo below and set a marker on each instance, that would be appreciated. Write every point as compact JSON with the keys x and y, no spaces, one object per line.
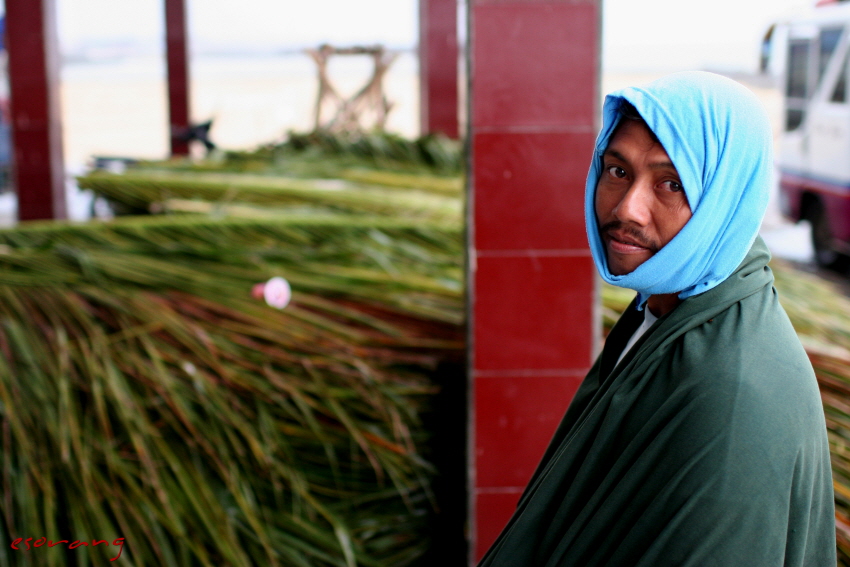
{"x":616,"y":171}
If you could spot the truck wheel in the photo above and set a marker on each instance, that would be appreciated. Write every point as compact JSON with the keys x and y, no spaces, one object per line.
{"x":825,"y":256}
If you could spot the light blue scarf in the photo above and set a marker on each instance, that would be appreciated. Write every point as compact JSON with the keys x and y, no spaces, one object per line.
{"x":719,"y":138}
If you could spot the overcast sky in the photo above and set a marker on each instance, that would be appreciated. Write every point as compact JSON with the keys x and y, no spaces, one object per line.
{"x":638,"y":34}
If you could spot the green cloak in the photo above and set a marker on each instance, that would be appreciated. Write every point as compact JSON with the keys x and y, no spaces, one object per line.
{"x":706,"y":445}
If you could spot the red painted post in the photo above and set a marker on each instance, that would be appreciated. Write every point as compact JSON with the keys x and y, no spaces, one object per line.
{"x":177,"y":54}
{"x":534,"y":74}
{"x":38,"y":169}
{"x":438,"y":67}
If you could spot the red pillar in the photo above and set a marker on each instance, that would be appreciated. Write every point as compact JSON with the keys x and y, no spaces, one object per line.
{"x":438,"y":67}
{"x":38,"y":169}
{"x":177,"y":54}
{"x":534,"y":73}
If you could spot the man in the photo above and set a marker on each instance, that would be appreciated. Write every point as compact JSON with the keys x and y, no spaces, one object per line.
{"x":698,"y":437}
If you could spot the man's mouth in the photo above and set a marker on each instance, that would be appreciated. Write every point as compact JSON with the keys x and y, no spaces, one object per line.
{"x":628,"y":241}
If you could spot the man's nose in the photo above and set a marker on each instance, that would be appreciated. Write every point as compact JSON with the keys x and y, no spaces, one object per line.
{"x":634,"y":207}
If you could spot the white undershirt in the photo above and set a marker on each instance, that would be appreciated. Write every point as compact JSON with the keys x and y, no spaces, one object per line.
{"x":648,"y":320}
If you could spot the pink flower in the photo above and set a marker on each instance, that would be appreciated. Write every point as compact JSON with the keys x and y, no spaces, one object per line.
{"x":276,"y":292}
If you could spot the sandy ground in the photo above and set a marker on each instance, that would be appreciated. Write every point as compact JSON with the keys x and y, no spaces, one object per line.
{"x":119,"y":108}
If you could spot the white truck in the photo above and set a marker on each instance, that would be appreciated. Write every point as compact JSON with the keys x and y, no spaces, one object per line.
{"x":812,"y":55}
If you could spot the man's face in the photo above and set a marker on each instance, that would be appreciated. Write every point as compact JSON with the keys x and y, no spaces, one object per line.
{"x":640,"y":203}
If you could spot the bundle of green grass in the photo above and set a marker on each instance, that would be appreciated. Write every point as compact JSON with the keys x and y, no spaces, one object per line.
{"x":147,"y":395}
{"x":317,"y":173}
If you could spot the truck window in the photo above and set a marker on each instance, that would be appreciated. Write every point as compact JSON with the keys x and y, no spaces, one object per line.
{"x":798,"y":69}
{"x":828,"y":41}
{"x":839,"y":93}
{"x":797,"y":84}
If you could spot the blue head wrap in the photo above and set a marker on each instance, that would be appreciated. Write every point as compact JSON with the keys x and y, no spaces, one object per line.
{"x":719,"y":138}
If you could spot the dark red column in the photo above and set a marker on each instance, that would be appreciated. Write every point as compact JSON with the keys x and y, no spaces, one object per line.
{"x":533,"y":68}
{"x":438,"y":67}
{"x":38,"y":169}
{"x":177,"y":53}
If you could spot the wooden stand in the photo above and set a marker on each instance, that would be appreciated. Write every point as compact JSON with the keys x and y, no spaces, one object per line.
{"x":368,"y":108}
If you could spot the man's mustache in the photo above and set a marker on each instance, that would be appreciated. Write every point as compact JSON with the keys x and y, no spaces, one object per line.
{"x":634,"y":234}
